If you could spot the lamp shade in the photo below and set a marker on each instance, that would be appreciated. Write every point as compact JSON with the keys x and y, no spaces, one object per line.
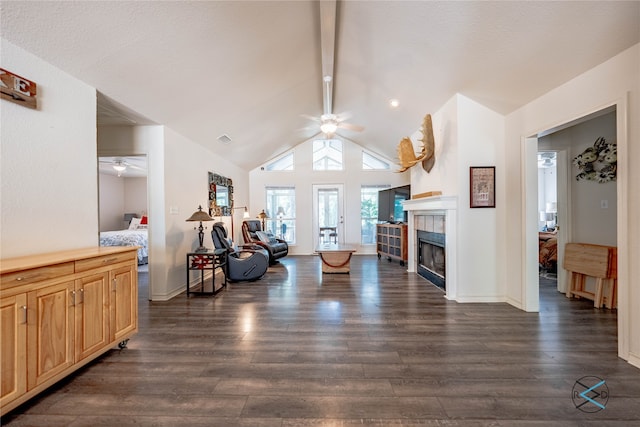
{"x":552,"y":207}
{"x":263,"y":215}
{"x":199,"y":215}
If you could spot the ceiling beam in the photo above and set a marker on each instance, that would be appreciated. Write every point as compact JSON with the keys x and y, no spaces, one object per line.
{"x":327,"y":48}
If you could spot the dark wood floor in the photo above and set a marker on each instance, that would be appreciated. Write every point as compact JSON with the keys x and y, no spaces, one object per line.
{"x":376,"y":347}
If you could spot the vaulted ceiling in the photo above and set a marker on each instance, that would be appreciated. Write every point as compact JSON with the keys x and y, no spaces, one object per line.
{"x":252,"y":70}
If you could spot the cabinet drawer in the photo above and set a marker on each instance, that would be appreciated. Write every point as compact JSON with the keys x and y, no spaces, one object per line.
{"x":34,"y":275}
{"x":91,"y":263}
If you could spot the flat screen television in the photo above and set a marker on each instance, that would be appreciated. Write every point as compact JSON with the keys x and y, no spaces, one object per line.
{"x":390,"y":204}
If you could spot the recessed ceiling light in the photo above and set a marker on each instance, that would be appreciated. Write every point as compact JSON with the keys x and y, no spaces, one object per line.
{"x":394,"y":103}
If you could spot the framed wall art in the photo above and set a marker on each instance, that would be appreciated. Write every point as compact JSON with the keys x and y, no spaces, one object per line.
{"x":482,"y":185}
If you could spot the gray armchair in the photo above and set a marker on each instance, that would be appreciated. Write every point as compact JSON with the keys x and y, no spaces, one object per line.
{"x":247,"y":263}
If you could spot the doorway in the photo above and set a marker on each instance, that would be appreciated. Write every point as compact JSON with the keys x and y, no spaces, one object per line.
{"x":328,"y":214}
{"x":555,"y":222}
{"x":586,"y":209}
{"x":123,"y":208}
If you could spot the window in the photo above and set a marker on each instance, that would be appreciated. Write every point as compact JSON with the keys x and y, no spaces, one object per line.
{"x":327,"y":155}
{"x":371,"y":162}
{"x":284,"y":163}
{"x":281,"y":210}
{"x":369,"y":212}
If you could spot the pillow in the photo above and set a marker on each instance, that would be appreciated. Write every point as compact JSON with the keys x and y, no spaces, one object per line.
{"x":143,"y":220}
{"x":135,"y":222}
{"x":266,"y":237}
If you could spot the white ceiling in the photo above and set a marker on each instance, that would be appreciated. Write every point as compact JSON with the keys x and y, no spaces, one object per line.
{"x":250,"y":70}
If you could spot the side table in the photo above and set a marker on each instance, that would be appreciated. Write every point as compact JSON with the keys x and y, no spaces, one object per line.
{"x":206,"y":261}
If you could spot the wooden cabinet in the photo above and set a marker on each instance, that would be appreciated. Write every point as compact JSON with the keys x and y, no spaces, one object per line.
{"x":92,"y":314}
{"x":392,"y":241}
{"x":124,"y":315}
{"x":13,"y":349}
{"x":59,"y":311}
{"x":50,"y":326}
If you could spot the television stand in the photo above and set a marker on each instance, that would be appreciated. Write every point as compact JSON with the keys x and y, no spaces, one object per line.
{"x":392,"y":242}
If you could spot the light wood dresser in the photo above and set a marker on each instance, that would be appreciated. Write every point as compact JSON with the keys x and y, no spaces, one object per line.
{"x":59,"y":311}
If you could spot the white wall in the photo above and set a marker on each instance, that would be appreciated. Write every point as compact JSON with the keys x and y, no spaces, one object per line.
{"x":177,"y":183}
{"x":615,"y":82}
{"x":444,"y":174}
{"x":303,"y":177}
{"x":111,"y":196}
{"x":48,"y":162}
{"x":590,"y":222}
{"x":135,"y":195}
{"x":467,"y":134}
{"x":120,"y":195}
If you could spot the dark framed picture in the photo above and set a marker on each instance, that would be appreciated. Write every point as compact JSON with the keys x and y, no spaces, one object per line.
{"x":482,"y":186}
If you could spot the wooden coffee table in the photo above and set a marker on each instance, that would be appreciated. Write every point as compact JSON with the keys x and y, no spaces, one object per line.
{"x":335,"y":258}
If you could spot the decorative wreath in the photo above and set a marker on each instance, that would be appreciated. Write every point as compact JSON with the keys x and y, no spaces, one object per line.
{"x":598,"y":163}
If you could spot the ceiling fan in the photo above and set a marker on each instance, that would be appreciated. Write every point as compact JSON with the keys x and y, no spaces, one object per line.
{"x":120,"y":165}
{"x":330,"y":122}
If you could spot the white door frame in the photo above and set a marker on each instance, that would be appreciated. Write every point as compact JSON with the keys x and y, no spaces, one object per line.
{"x":530,"y":294}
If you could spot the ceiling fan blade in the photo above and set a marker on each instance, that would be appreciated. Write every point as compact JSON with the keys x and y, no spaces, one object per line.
{"x":350,"y":126}
{"x":314,"y":118}
{"x":129,"y":165}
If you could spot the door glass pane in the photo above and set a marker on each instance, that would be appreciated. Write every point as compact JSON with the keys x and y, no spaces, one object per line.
{"x":328,"y":213}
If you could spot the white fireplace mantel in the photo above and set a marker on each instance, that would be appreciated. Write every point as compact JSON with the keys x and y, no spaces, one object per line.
{"x":442,"y":205}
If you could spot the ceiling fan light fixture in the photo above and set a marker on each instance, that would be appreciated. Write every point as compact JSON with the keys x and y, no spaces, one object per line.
{"x":394,"y":103}
{"x":329,"y":127}
{"x":119,"y":168}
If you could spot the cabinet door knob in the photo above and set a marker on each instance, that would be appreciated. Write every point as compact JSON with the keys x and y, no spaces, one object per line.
{"x":73,"y":297}
{"x":24,"y":314}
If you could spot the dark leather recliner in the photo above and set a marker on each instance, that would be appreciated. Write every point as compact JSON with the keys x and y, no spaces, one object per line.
{"x":248,"y":263}
{"x":277,"y":248}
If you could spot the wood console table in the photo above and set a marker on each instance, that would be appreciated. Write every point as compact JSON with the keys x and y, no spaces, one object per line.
{"x":335,"y":258}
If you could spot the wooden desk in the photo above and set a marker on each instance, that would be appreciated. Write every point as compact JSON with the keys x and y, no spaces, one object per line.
{"x":335,"y":258}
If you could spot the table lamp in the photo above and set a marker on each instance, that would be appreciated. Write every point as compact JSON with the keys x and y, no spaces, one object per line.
{"x":200,"y":215}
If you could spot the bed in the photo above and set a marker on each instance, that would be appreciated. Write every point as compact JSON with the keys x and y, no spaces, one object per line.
{"x":548,"y":251}
{"x":138,"y":237}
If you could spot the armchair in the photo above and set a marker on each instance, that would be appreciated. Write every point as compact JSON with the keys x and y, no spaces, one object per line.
{"x":253,"y":234}
{"x":248,"y":263}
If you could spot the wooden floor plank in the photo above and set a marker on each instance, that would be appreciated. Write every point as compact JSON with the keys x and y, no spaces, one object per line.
{"x":377,"y":346}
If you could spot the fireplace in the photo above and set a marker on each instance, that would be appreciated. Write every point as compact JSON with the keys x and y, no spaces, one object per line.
{"x":431,"y":257}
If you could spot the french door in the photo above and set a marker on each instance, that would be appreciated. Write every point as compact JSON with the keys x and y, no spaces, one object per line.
{"x":328,"y":214}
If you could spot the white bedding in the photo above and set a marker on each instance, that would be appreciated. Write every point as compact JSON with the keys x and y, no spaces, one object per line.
{"x":128,"y":238}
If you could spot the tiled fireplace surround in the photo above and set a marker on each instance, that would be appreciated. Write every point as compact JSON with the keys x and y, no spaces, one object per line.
{"x":435,"y":214}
